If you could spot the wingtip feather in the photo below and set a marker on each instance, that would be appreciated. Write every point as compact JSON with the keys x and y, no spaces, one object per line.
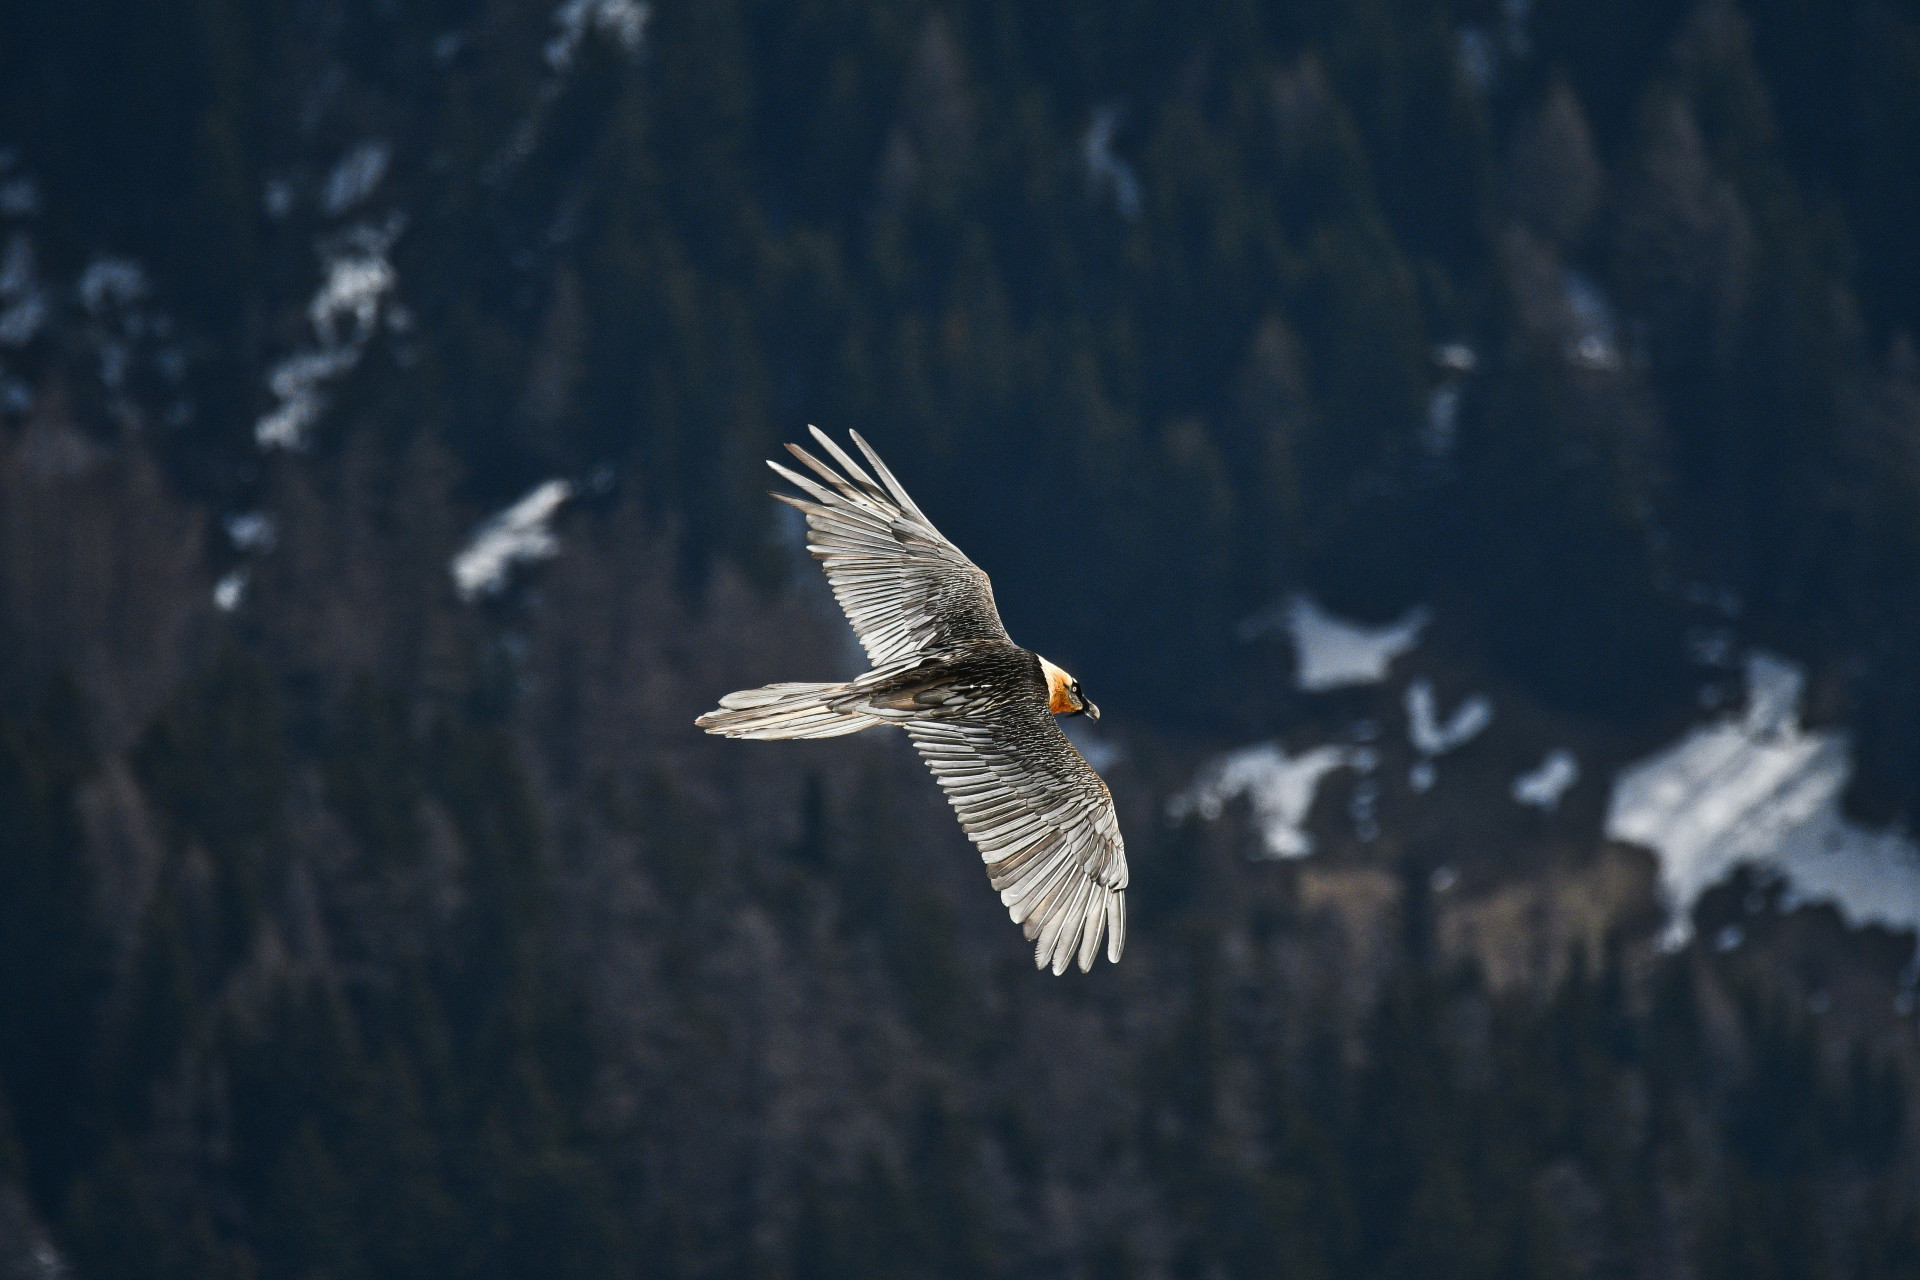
{"x":841,"y":456}
{"x":1095,"y":925}
{"x":893,"y":484}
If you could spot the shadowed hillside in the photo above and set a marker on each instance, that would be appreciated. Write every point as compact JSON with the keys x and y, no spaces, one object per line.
{"x":383,"y":394}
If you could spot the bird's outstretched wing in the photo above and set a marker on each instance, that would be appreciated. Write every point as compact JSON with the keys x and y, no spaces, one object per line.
{"x":1044,"y":823}
{"x":906,"y":589}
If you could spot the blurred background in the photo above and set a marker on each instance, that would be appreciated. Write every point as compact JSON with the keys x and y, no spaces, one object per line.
{"x":1470,"y":450}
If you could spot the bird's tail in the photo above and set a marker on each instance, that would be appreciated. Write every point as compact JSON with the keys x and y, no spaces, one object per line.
{"x":786,"y":711}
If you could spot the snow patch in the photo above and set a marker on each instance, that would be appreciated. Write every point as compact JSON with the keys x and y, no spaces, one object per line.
{"x":345,"y":314}
{"x":1763,"y":791}
{"x":252,"y":531}
{"x":622,"y":21}
{"x":518,"y":535}
{"x":356,"y":281}
{"x":110,"y":291}
{"x":1774,"y":686}
{"x":117,"y":282}
{"x":1543,"y":787}
{"x":352,"y":180}
{"x":229,"y":591}
{"x":296,"y":380}
{"x":1280,"y":789}
{"x":1431,"y":738}
{"x":1334,"y":653}
{"x":1438,"y":432}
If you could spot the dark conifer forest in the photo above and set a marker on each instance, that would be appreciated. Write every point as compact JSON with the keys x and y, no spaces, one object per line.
{"x":362,"y":919}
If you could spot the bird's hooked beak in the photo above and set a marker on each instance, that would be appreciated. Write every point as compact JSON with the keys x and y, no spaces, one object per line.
{"x":1063,"y":693}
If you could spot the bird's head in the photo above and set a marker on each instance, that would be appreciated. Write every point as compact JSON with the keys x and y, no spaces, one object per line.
{"x":1063,"y":694}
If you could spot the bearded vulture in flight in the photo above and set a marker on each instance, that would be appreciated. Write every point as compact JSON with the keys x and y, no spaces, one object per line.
{"x":979,"y":707}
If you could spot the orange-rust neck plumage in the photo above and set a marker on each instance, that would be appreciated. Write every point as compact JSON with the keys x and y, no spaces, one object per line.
{"x":1059,"y":683}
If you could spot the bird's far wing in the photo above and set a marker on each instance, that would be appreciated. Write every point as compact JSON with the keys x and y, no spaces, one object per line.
{"x":1044,"y":823}
{"x":905,"y":588}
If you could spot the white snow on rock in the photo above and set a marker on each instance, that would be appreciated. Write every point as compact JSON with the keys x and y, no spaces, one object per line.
{"x":1774,"y":686}
{"x":252,"y":531}
{"x":345,"y":314}
{"x":1334,"y":653}
{"x":296,"y":380}
{"x":118,"y":282}
{"x":1280,"y":788}
{"x":230,"y":590}
{"x":355,"y":284}
{"x":1431,"y":738}
{"x":518,"y":535}
{"x":622,"y":21}
{"x":352,"y":180}
{"x":1441,"y":427}
{"x":1543,"y":787}
{"x":1763,"y":791}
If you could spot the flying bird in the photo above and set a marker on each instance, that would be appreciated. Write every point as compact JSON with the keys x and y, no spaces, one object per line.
{"x":979,"y":708}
